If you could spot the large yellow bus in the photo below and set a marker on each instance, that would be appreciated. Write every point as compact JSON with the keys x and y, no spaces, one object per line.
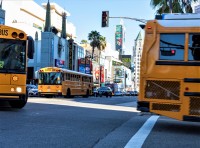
{"x":170,"y":67}
{"x":55,"y":81}
{"x":15,"y":47}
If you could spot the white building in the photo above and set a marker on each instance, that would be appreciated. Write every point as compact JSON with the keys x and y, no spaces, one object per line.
{"x":30,"y":17}
{"x":137,"y":53}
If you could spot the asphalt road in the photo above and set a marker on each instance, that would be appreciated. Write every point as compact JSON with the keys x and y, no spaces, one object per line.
{"x":91,"y":123}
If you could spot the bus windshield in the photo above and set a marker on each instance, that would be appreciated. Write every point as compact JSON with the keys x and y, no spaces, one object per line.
{"x":50,"y":78}
{"x":12,"y":55}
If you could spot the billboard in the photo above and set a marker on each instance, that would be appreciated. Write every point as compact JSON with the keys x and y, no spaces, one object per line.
{"x":70,"y":54}
{"x":59,"y":63}
{"x":126,"y":60}
{"x":99,"y":74}
{"x":118,"y":38}
{"x":84,"y":66}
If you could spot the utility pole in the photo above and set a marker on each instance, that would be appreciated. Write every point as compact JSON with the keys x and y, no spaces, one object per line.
{"x":125,"y":75}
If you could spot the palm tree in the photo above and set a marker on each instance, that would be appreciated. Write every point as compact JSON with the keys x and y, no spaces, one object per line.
{"x":93,"y":37}
{"x":101,"y":45}
{"x":172,"y":6}
{"x":84,"y":41}
{"x":187,"y":5}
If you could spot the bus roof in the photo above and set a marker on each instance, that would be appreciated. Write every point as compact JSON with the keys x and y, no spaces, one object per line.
{"x":178,"y":16}
{"x":179,"y":20}
{"x":66,"y":70}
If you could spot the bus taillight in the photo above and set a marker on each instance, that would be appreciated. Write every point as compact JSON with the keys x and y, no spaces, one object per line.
{"x":186,"y":88}
{"x":14,"y":34}
{"x":21,"y":35}
{"x":149,"y":27}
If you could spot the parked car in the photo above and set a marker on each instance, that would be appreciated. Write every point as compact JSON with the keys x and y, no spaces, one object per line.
{"x":105,"y":91}
{"x":135,"y":93}
{"x":130,"y":93}
{"x":95,"y":92}
{"x":33,"y":92}
{"x":118,"y":93}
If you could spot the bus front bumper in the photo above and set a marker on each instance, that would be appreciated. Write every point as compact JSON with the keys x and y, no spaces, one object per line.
{"x":143,"y":106}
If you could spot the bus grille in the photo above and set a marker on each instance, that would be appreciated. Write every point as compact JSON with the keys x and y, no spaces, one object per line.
{"x":194,"y":106}
{"x":166,"y":107}
{"x":167,"y":90}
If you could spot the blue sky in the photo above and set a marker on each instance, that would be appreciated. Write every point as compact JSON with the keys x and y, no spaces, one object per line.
{"x":86,"y":16}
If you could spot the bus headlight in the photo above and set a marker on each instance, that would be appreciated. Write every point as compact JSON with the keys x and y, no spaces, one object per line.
{"x":19,"y":89}
{"x":12,"y":89}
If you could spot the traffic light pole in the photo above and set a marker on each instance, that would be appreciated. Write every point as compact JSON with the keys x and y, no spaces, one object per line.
{"x":130,"y":18}
{"x":105,"y":19}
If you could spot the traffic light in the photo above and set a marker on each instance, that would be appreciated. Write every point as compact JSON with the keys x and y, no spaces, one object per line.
{"x":105,"y":18}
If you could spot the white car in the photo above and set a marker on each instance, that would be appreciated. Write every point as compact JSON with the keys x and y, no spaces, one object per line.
{"x":33,"y":92}
{"x":30,"y":86}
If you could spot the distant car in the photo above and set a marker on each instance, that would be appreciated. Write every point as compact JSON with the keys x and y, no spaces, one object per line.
{"x":30,"y":86}
{"x":118,"y":93}
{"x":130,"y":93}
{"x":33,"y":92}
{"x":123,"y":93}
{"x":95,"y":92}
{"x":135,"y":93}
{"x":105,"y":91}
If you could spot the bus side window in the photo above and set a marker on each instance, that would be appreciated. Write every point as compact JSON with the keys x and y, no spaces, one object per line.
{"x":79,"y":78}
{"x":172,"y":46}
{"x":75,"y":78}
{"x":196,"y":47}
{"x":68,"y":76}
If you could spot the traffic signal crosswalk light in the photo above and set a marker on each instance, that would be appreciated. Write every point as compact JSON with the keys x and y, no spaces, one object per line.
{"x":105,"y":18}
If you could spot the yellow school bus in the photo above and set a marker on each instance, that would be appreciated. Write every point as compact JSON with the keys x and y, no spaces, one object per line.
{"x":15,"y":48}
{"x":55,"y":81}
{"x":170,"y":67}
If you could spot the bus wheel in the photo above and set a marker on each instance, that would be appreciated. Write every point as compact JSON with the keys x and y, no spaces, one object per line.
{"x":87,"y":94}
{"x":68,"y":94}
{"x":19,"y":103}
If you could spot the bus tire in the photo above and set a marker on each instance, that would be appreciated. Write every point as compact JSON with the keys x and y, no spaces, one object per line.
{"x":87,"y":94}
{"x":19,"y":103}
{"x":68,"y":94}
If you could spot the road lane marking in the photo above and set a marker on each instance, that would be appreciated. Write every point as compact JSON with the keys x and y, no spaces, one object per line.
{"x":127,"y":104}
{"x":85,"y":105}
{"x":138,"y":139}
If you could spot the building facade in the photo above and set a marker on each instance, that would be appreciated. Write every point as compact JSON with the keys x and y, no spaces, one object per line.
{"x":53,"y":50}
{"x":137,"y":53}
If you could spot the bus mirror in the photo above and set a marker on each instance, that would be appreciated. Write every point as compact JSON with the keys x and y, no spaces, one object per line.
{"x":142,"y":26}
{"x":168,"y":52}
{"x":30,"y":47}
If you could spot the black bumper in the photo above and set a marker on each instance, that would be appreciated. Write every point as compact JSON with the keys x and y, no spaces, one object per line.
{"x":143,"y":106}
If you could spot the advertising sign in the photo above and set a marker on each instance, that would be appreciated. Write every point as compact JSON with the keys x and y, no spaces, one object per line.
{"x":99,"y":74}
{"x":70,"y":54}
{"x":126,"y":59}
{"x":118,"y":38}
{"x":84,"y":66}
{"x":59,"y":63}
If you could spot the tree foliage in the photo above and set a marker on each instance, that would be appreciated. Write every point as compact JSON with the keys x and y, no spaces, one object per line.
{"x":96,"y":41}
{"x":172,"y":6}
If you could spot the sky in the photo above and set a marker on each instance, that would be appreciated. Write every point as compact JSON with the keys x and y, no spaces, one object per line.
{"x":86,"y":16}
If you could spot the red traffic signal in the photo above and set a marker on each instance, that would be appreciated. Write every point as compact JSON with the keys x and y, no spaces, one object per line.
{"x":105,"y":18}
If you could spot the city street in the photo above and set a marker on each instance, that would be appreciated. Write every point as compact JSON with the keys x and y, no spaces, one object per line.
{"x":91,"y":122}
